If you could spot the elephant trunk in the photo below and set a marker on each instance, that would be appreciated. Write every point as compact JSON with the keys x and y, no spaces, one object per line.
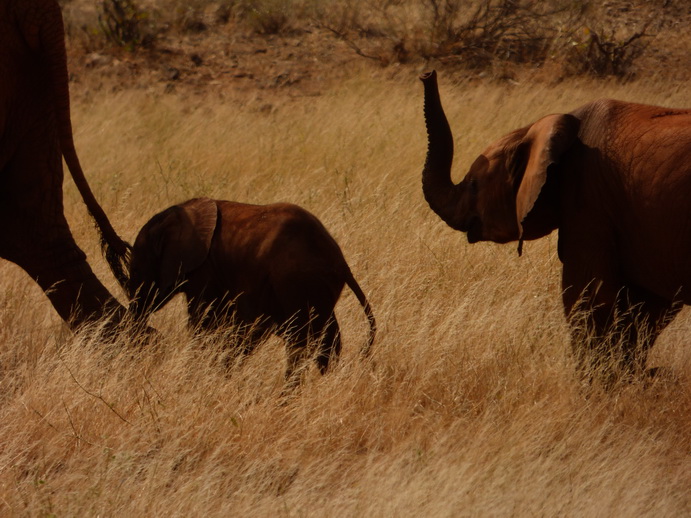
{"x":115,"y":250}
{"x":441,"y":193}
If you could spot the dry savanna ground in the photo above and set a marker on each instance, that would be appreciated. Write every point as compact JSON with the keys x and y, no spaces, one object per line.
{"x":468,"y":405}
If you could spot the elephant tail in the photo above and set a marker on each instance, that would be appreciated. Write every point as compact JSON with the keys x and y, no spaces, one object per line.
{"x":115,"y":250}
{"x":355,"y":288}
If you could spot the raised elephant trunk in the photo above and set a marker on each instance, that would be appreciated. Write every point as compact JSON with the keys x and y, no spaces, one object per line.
{"x":115,"y":250}
{"x":441,"y":193}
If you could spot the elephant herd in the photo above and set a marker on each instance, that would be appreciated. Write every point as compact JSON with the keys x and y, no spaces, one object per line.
{"x":613,"y":177}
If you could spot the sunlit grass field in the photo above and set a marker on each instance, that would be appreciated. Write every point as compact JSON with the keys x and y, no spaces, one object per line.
{"x":468,"y":406}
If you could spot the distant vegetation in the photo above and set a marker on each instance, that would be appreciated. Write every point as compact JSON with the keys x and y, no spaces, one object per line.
{"x":593,"y":38}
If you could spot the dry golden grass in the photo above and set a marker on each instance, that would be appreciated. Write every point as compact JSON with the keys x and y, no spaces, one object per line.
{"x":469,"y":405}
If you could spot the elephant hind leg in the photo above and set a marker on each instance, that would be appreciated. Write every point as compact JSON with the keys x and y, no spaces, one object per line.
{"x":304,"y":308}
{"x":329,"y":349}
{"x":310,"y":334}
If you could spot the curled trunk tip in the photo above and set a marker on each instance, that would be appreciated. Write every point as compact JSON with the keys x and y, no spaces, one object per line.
{"x":428,"y":76}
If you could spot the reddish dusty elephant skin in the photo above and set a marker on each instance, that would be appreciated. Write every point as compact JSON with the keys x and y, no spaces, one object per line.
{"x":35,"y":134}
{"x":272,"y":268}
{"x":615,"y":179}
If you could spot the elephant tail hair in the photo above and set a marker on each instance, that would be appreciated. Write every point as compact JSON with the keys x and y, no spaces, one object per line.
{"x":118,"y":260}
{"x":362,"y":299}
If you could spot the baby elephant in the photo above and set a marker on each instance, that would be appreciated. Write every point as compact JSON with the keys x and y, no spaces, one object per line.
{"x":271,"y":268}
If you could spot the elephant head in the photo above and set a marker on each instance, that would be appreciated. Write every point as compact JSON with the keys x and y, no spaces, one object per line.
{"x":170,"y":246}
{"x":505,"y":182}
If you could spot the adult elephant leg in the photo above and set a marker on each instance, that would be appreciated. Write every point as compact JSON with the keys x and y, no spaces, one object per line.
{"x":59,"y":266}
{"x":36,"y":235}
{"x":201,"y":314}
{"x":47,"y":251}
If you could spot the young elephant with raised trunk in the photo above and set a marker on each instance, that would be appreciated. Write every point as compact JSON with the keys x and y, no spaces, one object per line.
{"x":269,"y":268}
{"x":615,"y":178}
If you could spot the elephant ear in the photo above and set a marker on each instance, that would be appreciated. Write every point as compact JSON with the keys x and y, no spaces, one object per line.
{"x":187,"y":240}
{"x":546,"y":141}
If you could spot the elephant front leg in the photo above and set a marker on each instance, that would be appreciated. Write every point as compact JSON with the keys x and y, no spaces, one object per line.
{"x":613,"y":328}
{"x":644,"y":317}
{"x":297,"y":343}
{"x":588,"y":303}
{"x":591,"y":287}
{"x":36,"y":235}
{"x":299,"y":338}
{"x":59,"y":266}
{"x":588,"y":316}
{"x":247,"y":332}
